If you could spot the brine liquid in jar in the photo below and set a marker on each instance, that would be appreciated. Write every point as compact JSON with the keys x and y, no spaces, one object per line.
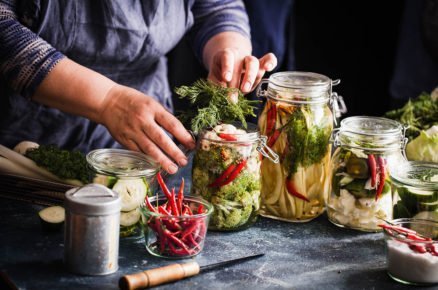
{"x":298,"y":121}
{"x":366,"y":150}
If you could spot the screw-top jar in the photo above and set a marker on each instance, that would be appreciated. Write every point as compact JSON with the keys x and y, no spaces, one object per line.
{"x":128,"y":173}
{"x":91,"y":239}
{"x":226,"y":172}
{"x":366,"y":150}
{"x":298,"y":121}
{"x":415,"y":188}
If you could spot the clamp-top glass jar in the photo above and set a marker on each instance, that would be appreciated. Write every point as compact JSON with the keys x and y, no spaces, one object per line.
{"x":129,"y":174}
{"x":366,"y":150}
{"x":226,"y":172}
{"x":298,"y":121}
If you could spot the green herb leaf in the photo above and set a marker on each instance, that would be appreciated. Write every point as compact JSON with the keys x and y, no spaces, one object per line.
{"x":211,"y":105}
{"x":63,"y":163}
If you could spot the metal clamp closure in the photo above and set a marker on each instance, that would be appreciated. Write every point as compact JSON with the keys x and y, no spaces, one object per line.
{"x":267,"y":152}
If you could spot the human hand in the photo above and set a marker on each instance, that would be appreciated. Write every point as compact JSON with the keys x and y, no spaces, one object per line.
{"x":137,"y":121}
{"x":232,"y":68}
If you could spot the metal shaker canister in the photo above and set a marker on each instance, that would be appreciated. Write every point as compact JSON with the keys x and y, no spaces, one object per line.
{"x":92,"y":230}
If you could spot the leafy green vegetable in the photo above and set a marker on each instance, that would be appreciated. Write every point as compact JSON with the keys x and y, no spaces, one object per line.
{"x":425,"y":146}
{"x":63,"y":163}
{"x":420,"y":114}
{"x":308,"y":144}
{"x":211,"y":105}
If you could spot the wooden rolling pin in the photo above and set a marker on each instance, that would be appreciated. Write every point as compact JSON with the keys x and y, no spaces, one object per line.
{"x":171,"y":273}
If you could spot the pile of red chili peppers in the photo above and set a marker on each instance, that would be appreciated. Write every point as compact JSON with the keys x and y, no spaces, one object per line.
{"x":417,"y":244}
{"x":377,"y":169}
{"x":178,"y":233}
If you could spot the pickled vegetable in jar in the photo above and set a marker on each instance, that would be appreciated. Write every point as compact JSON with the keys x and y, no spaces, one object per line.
{"x":298,"y":121}
{"x":367,"y":148}
{"x":226,"y":172}
{"x":415,"y":190}
{"x":129,"y":174}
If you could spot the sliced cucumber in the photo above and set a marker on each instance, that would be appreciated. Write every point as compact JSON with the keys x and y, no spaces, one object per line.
{"x":52,"y":218}
{"x":130,"y":218}
{"x":132,"y":192}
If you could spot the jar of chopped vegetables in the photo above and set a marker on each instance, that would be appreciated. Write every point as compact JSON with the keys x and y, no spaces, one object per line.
{"x":367,"y":149}
{"x":298,"y":121}
{"x":415,"y":188}
{"x":129,"y":174}
{"x":226,"y":172}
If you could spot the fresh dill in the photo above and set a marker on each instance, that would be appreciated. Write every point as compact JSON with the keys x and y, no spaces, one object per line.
{"x":211,"y":105}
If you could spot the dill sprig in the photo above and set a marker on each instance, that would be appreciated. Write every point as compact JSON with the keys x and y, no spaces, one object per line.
{"x":210,"y":105}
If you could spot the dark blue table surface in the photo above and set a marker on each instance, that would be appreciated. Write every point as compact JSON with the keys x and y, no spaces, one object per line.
{"x":313,"y":255}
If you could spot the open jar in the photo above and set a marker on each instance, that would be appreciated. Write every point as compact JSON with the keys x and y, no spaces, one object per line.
{"x":298,"y":120}
{"x":415,"y":190}
{"x":226,"y":172}
{"x":366,"y":150}
{"x":129,"y":174}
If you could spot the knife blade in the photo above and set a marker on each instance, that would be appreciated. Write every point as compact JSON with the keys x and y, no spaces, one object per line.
{"x":174,"y":272}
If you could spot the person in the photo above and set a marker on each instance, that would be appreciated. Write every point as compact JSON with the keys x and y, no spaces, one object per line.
{"x":92,"y":74}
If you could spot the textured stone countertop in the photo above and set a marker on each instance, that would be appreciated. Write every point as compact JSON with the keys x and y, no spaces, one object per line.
{"x":313,"y":255}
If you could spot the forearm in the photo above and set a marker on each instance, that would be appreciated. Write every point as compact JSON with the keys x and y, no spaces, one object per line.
{"x":74,"y":89}
{"x":225,"y":40}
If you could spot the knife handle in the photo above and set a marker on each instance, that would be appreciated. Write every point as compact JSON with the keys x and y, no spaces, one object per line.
{"x":157,"y":276}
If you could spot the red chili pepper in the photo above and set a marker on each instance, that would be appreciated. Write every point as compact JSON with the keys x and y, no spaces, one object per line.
{"x":200,"y":209}
{"x":234,"y":174}
{"x":291,"y":189}
{"x":416,"y":237}
{"x":190,"y":230}
{"x":373,"y":171}
{"x":181,"y":197}
{"x":382,"y":176}
{"x":223,"y":176}
{"x":418,"y":248}
{"x":149,"y":205}
{"x":398,"y":229}
{"x":433,"y":249}
{"x":228,"y":137}
{"x":168,"y":194}
{"x":273,"y":138}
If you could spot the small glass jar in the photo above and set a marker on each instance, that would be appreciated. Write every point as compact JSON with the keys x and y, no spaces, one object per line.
{"x":298,"y":120}
{"x":413,"y":259}
{"x":415,"y":190}
{"x":366,"y":148}
{"x":129,"y":174}
{"x":188,"y":231}
{"x":226,"y":172}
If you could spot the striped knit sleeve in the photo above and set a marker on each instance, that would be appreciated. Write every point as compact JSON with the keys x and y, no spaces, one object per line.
{"x":215,"y":16}
{"x":25,"y":58}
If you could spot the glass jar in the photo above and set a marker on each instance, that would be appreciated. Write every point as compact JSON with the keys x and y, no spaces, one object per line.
{"x":415,"y":190}
{"x":366,"y":148}
{"x":129,"y":174}
{"x":298,"y":121}
{"x":226,"y":172}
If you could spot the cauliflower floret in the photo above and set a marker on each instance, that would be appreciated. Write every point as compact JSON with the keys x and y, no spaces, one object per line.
{"x":346,"y":201}
{"x":225,"y":128}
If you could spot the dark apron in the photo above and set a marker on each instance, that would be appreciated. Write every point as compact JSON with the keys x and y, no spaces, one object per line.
{"x":123,"y":40}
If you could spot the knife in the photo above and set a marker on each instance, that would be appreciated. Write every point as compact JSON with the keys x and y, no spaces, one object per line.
{"x":173,"y":272}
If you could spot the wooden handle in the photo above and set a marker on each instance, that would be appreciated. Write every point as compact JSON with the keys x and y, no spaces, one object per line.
{"x":158,"y":276}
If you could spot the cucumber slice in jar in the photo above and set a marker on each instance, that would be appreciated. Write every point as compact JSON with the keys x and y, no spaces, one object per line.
{"x":132,"y":192}
{"x":129,"y":218}
{"x":52,"y":218}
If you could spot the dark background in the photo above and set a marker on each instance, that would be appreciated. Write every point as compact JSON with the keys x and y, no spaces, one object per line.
{"x":354,"y":41}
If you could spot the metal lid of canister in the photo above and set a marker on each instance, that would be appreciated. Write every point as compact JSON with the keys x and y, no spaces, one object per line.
{"x":92,"y":199}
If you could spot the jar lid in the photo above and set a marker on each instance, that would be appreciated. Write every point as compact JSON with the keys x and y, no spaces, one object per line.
{"x":122,"y":163}
{"x":417,"y":174}
{"x":368,"y":132}
{"x":305,"y":87}
{"x":92,"y":199}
